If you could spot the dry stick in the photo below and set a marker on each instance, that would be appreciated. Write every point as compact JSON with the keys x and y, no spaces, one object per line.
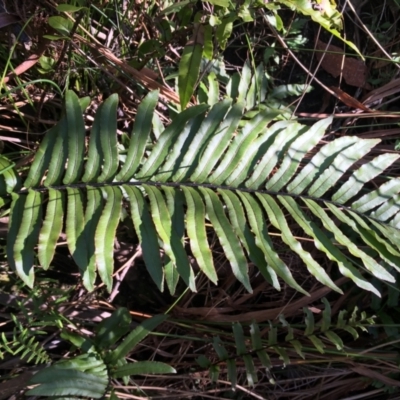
{"x":262,"y":315}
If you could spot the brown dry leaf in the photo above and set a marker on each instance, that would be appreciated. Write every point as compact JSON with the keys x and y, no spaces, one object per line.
{"x":354,"y":71}
{"x":349,"y":100}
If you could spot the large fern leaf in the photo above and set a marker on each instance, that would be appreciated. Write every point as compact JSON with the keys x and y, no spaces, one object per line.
{"x":245,"y":178}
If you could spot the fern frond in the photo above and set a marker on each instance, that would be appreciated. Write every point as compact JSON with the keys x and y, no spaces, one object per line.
{"x":243,"y":176}
{"x":23,"y":343}
{"x":257,"y":349}
{"x":84,"y":375}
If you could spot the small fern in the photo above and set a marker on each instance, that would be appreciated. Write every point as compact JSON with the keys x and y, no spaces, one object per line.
{"x":316,"y":335}
{"x":23,"y":343}
{"x":243,"y":177}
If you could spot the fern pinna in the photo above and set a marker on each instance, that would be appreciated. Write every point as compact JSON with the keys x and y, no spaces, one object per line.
{"x":245,"y":177}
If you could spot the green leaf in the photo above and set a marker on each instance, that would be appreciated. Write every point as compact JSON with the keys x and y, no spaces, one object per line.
{"x":167,"y":140}
{"x":364,"y":174}
{"x":282,"y":355}
{"x":111,"y":329}
{"x":139,"y":137}
{"x":143,"y":367}
{"x":377,"y":197}
{"x":341,"y":163}
{"x":335,"y":339}
{"x":309,"y":321}
{"x":189,"y":65}
{"x":278,"y":220}
{"x":136,"y":336}
{"x":330,"y":19}
{"x":203,"y":361}
{"x":263,"y":241}
{"x":323,"y":243}
{"x":298,"y":348}
{"x":224,"y":30}
{"x":197,"y":234}
{"x":221,"y":3}
{"x":108,"y":138}
{"x":147,"y":234}
{"x":67,"y":382}
{"x":55,"y":37}
{"x":9,"y":179}
{"x":43,"y":155}
{"x":74,"y":227}
{"x":23,"y":234}
{"x":239,"y":338}
{"x":95,"y":153}
{"x":218,"y":143}
{"x":239,"y":148}
{"x":59,"y":153}
{"x":94,"y":206}
{"x":52,"y":226}
{"x":297,"y":151}
{"x":374,"y":267}
{"x":238,"y":220}
{"x":258,"y":346}
{"x":319,"y":163}
{"x":172,"y":244}
{"x":76,"y":138}
{"x":227,"y":237}
{"x":61,"y":24}
{"x":270,"y":146}
{"x":206,"y":131}
{"x":244,"y":83}
{"x":319,"y":345}
{"x":223,"y":356}
{"x":171,"y":169}
{"x":208,"y":49}
{"x":105,"y":234}
{"x":176,"y":7}
{"x":69,"y":8}
{"x":368,"y":261}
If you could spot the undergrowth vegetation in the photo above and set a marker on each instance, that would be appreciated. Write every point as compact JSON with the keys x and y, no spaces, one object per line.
{"x":199,"y":199}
